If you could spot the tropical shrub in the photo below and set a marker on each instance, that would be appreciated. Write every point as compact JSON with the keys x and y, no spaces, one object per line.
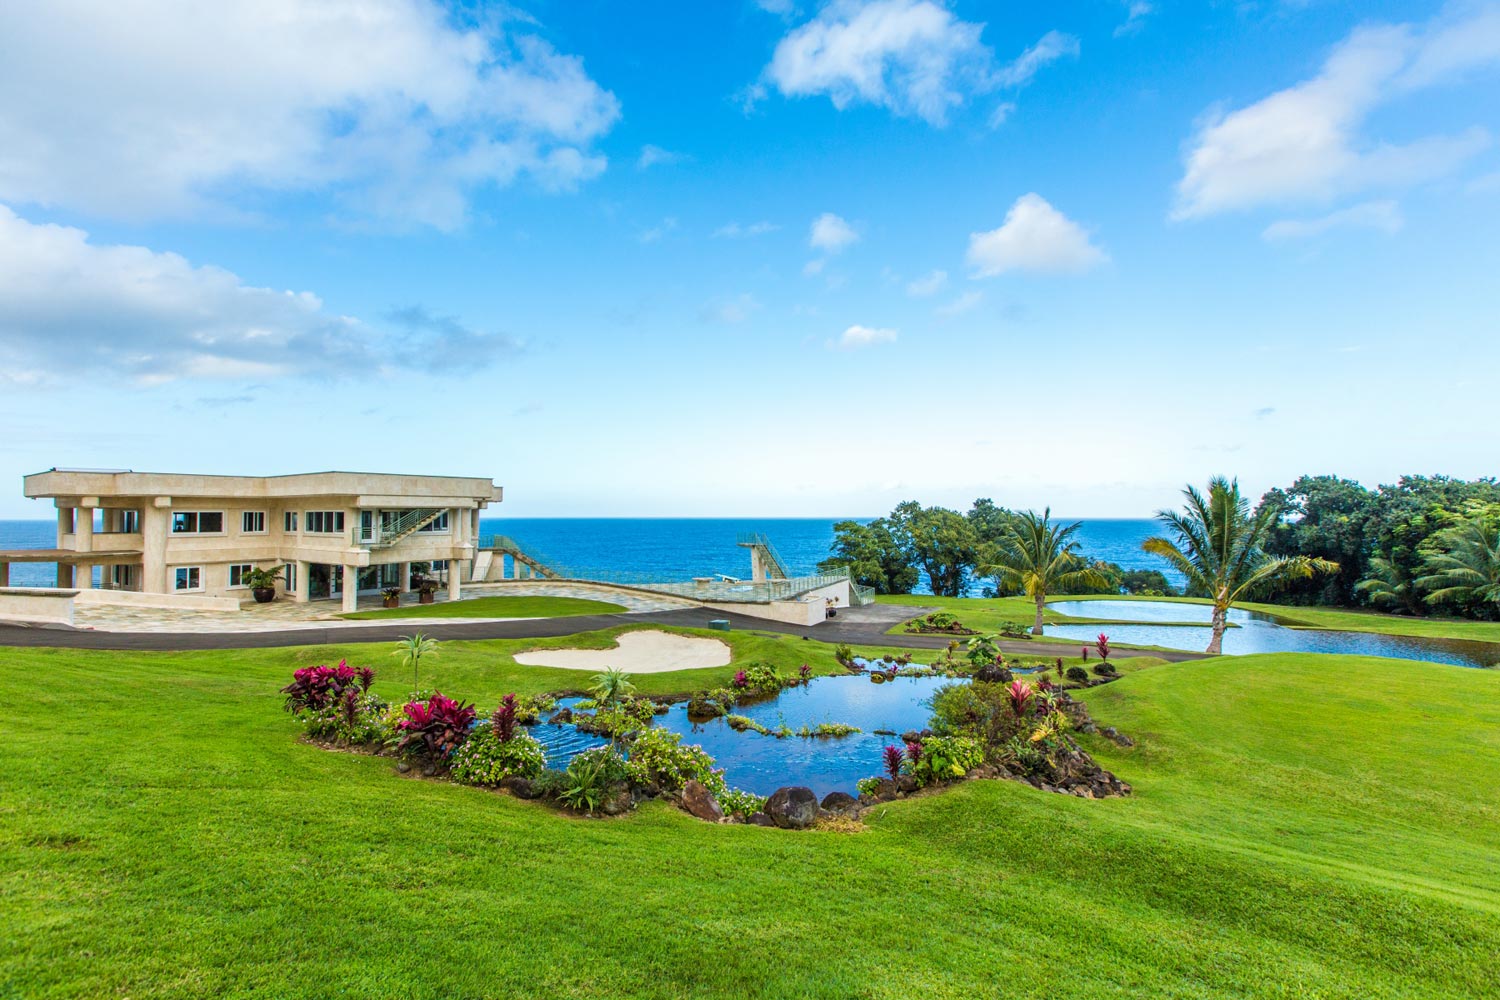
{"x":435,"y":727}
{"x":868,"y":786}
{"x":1077,"y":674}
{"x":894,"y":759}
{"x":550,"y":783}
{"x":611,"y":686}
{"x":711,"y":704}
{"x":353,"y":719}
{"x":624,"y":717}
{"x":1102,"y":645}
{"x":529,"y":709}
{"x":738,"y":803}
{"x":983,"y":651}
{"x":1020,"y":694}
{"x":944,"y":758}
{"x":1106,"y":669}
{"x":828,"y":730}
{"x":591,"y":778}
{"x":503,"y":720}
{"x":485,"y":758}
{"x":657,"y":757}
{"x":760,"y":678}
{"x":318,"y":687}
{"x":741,"y":723}
{"x":844,"y":653}
{"x":1013,"y":630}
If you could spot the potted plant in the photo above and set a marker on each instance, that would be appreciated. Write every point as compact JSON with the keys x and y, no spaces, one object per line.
{"x":392,"y":596}
{"x":426,"y":590}
{"x":262,"y":584}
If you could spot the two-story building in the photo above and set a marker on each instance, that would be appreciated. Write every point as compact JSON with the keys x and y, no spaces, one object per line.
{"x":329,"y":533}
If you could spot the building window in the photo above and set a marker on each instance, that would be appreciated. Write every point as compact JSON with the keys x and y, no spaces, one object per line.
{"x":325,"y":522}
{"x":289,"y":522}
{"x":122,"y":576}
{"x":238,"y":572}
{"x":289,"y":577}
{"x":253,"y":522}
{"x":186,"y":578}
{"x":198,"y":522}
{"x":439,"y":523}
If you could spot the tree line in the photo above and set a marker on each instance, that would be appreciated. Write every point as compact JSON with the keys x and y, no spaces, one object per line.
{"x":1423,"y":545}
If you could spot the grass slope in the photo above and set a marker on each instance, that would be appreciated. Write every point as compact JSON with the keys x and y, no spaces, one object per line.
{"x":1303,"y":826}
{"x":986,"y":614}
{"x":514,"y":606}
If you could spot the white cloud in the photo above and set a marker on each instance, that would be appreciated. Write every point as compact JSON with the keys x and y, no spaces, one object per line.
{"x":964,"y":303}
{"x":655,"y":156}
{"x":159,"y":109}
{"x":734,"y":311}
{"x":654,"y":233}
{"x":928,"y":284}
{"x":1002,"y":113}
{"x":735,"y":231}
{"x":1051,"y":47}
{"x":72,"y":308}
{"x":856,"y":337}
{"x":814,"y":267}
{"x":912,"y":57}
{"x":1034,"y":237}
{"x":1305,"y":143}
{"x":831,"y":234}
{"x":1381,"y":216}
{"x":1136,"y":12}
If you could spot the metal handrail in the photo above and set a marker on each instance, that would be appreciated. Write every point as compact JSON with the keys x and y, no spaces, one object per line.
{"x":389,"y":534}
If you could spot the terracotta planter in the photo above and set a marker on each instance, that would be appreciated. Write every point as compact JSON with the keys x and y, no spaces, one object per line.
{"x":394,"y":601}
{"x":264,"y":595}
{"x":427,"y":597}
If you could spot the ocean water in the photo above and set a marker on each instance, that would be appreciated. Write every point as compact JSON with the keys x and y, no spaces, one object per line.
{"x":660,"y":548}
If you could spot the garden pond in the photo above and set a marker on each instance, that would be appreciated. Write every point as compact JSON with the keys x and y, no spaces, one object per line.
{"x":762,"y":764}
{"x":1255,"y":633}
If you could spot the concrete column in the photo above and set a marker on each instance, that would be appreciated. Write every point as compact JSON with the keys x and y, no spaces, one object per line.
{"x":83,"y":528}
{"x":64,"y":575}
{"x":4,"y":574}
{"x":303,"y":583}
{"x":64,"y":524}
{"x":83,"y":576}
{"x":453,"y":580}
{"x":351,"y":588}
{"x":155,"y":522}
{"x":405,"y":581}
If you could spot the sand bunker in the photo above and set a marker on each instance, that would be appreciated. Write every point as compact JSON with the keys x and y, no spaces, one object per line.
{"x":649,"y":652}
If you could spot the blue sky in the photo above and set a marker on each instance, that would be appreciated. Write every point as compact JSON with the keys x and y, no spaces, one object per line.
{"x":753,"y":258}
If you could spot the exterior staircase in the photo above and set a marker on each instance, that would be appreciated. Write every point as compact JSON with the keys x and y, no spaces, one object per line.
{"x":765,"y":562}
{"x":501,"y":546}
{"x":389,"y":534}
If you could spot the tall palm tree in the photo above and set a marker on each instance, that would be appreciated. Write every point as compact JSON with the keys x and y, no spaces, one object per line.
{"x":1220,"y":548}
{"x":411,"y":649}
{"x":1465,"y":568}
{"x":1039,"y":557}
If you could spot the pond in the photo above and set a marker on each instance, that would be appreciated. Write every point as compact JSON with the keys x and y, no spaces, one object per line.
{"x":762,"y":764}
{"x":1257,"y":633}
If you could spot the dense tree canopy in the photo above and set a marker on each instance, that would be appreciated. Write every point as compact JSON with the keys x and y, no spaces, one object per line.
{"x":874,"y":556}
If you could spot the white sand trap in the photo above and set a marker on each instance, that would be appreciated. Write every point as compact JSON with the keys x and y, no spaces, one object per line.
{"x":648,"y":652}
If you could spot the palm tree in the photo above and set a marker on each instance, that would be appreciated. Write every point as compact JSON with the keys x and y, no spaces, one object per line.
{"x":1465,"y":566}
{"x":411,"y":649}
{"x":1389,"y":585}
{"x":1220,"y":548}
{"x":611,"y":686}
{"x":1039,"y":557}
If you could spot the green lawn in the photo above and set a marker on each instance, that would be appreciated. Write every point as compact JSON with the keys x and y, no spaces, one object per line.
{"x":986,"y":614}
{"x":515,"y":606}
{"x":1302,"y":827}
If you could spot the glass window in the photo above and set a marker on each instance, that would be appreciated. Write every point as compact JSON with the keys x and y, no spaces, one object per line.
{"x":130,"y":521}
{"x":439,"y":523}
{"x":325,"y":522}
{"x":253,"y":522}
{"x":188,"y":578}
{"x":289,"y":521}
{"x":238,"y":572}
{"x":289,"y":577}
{"x":198,"y":522}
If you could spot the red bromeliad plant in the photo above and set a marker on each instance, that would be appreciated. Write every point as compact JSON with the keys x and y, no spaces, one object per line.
{"x":437,"y":726}
{"x":804,"y":671}
{"x":1020,"y":694}
{"x":893,"y":761}
{"x":741,"y":680}
{"x":321,"y":686}
{"x":1102,"y":645}
{"x":504,"y":719}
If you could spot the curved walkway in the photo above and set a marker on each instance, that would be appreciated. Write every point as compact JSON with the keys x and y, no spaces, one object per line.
{"x":856,"y":633}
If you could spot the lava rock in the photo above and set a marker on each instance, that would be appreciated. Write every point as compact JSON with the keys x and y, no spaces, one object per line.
{"x":760,"y":819}
{"x":840,"y":804}
{"x":793,"y":807}
{"x":403,"y":766}
{"x":906,"y":783}
{"x":698,"y":801}
{"x":877,"y":678}
{"x":518,"y":786}
{"x":994,"y":673}
{"x":617,"y":802}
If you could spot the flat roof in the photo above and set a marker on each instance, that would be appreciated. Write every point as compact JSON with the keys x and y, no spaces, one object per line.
{"x":379,"y":487}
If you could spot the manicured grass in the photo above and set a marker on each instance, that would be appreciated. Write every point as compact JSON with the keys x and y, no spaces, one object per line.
{"x":515,"y":606}
{"x":1303,"y":826}
{"x":986,"y":614}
